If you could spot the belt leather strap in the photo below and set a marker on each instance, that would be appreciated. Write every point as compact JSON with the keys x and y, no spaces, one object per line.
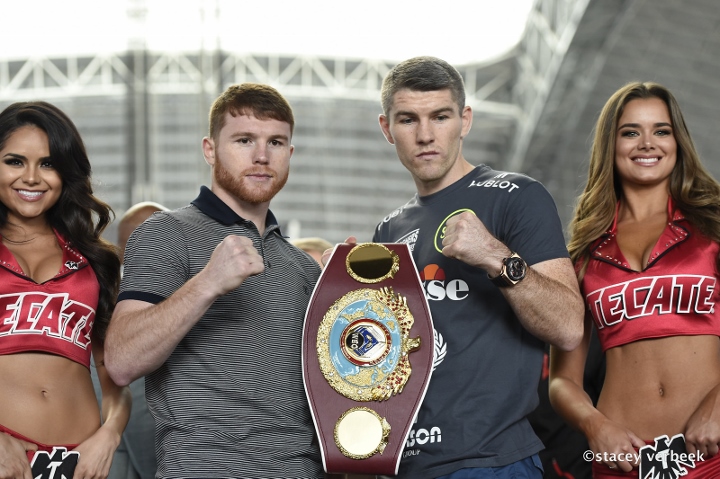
{"x":367,"y":358}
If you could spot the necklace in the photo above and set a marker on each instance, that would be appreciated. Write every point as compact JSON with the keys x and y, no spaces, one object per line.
{"x":19,"y":242}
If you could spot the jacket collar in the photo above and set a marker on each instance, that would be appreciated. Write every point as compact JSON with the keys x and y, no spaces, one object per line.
{"x":606,"y":248}
{"x":72,"y":260}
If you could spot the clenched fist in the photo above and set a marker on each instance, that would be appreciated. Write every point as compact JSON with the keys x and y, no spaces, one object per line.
{"x":467,"y":240}
{"x":234,"y":260}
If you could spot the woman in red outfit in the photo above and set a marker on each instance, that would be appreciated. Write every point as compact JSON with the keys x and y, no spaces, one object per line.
{"x":58,"y":283}
{"x":644,"y":240}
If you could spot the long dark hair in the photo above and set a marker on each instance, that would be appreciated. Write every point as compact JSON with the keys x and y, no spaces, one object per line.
{"x":695,"y":192}
{"x":78,"y":215}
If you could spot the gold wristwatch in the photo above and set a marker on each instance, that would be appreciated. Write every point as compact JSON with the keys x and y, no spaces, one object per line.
{"x":512,"y":272}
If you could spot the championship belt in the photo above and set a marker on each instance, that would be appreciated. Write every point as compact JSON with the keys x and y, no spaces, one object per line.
{"x":367,"y":356}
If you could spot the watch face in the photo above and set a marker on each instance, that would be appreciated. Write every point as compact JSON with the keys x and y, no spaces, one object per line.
{"x":515,"y":269}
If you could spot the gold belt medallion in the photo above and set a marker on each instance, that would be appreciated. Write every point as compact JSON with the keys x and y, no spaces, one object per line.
{"x":363,"y":349}
{"x":363,"y":344}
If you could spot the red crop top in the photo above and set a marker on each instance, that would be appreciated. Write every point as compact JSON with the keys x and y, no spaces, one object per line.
{"x":56,"y":316}
{"x":675,"y":295}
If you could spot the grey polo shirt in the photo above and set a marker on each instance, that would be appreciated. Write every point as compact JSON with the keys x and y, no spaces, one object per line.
{"x":229,"y":401}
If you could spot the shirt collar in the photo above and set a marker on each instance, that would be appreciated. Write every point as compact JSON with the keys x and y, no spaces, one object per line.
{"x":209,"y":203}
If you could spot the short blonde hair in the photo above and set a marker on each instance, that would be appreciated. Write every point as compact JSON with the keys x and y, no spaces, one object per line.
{"x":312,"y":244}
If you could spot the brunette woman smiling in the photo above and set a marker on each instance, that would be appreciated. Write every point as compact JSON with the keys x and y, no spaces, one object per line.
{"x":58,"y":282}
{"x":645,"y":242}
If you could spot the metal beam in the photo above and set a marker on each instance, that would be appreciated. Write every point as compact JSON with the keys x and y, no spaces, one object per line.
{"x":550,"y":30}
{"x":113,"y":74}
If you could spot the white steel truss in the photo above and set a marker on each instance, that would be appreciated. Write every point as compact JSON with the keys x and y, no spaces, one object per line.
{"x":160,"y":73}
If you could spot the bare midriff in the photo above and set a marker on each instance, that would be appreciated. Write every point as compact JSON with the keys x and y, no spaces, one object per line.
{"x":47,"y":398}
{"x":653,"y":386}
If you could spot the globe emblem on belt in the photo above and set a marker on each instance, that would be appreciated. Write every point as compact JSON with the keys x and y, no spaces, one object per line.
{"x":365,"y":342}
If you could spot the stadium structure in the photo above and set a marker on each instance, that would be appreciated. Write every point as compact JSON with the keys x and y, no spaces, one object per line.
{"x":143,"y":113}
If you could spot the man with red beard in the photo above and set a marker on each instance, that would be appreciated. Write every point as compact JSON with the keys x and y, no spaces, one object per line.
{"x":211,"y":309}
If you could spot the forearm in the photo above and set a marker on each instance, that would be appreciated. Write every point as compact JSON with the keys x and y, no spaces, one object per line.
{"x":565,"y":385}
{"x":702,"y":431}
{"x":116,"y":407}
{"x":142,"y":336}
{"x":547,"y":301}
{"x":573,"y":404}
{"x":548,"y":308}
{"x":116,"y":400}
{"x":711,"y":402}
